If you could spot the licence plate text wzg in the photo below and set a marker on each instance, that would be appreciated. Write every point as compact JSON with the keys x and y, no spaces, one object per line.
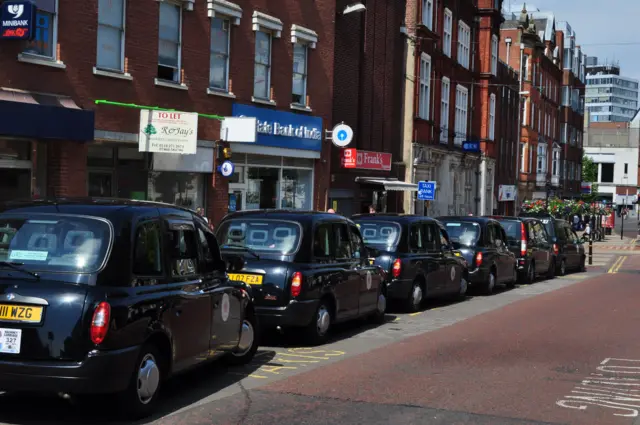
{"x":20,"y":313}
{"x":250,"y":279}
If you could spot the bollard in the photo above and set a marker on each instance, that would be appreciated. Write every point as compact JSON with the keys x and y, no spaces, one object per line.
{"x":590,"y":250}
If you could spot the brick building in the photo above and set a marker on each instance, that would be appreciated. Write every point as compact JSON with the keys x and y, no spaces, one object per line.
{"x":549,"y":166}
{"x":269,"y":59}
{"x":368,"y":97}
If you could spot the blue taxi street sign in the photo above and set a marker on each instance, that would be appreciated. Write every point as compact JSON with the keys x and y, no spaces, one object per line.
{"x":469,"y":146}
{"x":426,"y":191}
{"x":17,"y":20}
{"x":226,"y":169}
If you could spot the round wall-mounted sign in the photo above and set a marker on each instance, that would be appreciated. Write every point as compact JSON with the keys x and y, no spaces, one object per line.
{"x":227,"y":168}
{"x":341,"y":135}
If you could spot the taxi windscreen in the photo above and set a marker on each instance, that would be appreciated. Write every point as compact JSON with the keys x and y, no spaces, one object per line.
{"x":380,"y":234}
{"x":54,"y":243}
{"x":463,"y":233}
{"x":276,"y":236}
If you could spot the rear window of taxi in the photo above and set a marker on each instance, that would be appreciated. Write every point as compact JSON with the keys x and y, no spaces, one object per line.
{"x":273,"y":236}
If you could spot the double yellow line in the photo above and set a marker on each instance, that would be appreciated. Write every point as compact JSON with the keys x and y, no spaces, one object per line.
{"x":616,"y":266}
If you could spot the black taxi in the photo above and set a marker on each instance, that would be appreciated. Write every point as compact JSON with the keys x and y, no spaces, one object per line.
{"x":308,"y":270}
{"x":416,"y":253}
{"x":484,"y":244}
{"x":106,"y":296}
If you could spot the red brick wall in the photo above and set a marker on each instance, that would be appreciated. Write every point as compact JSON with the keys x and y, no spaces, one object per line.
{"x":77,"y":42}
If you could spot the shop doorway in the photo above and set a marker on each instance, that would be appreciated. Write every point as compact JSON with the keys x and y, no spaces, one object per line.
{"x":16,"y":184}
{"x":100,"y":184}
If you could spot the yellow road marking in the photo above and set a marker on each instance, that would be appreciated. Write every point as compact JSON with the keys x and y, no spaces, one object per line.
{"x":620,"y":264}
{"x":303,"y":356}
{"x":613,"y":267}
{"x":397,"y":319}
{"x":297,"y":361}
{"x":415,"y":314}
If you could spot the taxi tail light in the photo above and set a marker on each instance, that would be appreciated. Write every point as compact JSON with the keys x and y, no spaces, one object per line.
{"x":296,"y":284}
{"x":478,"y":259}
{"x":555,"y":249}
{"x":397,"y":268}
{"x":523,"y":240}
{"x":100,"y":322}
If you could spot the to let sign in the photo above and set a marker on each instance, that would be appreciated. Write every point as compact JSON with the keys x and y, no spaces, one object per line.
{"x":17,"y":20}
{"x":168,"y":132}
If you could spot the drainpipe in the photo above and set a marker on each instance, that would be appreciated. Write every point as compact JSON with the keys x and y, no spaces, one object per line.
{"x":519,"y":131}
{"x":474,"y":36}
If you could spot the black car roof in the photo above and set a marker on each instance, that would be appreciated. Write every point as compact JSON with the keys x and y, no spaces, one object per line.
{"x":83,"y":205}
{"x":471,"y":219}
{"x":392,"y":217}
{"x":283,"y":214}
{"x":510,"y":217}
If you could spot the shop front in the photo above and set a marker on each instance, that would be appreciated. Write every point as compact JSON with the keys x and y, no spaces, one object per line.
{"x":507,"y":199}
{"x":278,"y":170}
{"x":40,"y":137}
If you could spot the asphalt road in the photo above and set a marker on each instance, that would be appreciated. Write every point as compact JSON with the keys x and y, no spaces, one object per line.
{"x":562,"y":351}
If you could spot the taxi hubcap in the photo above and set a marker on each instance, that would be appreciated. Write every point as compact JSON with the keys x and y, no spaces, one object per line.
{"x":562,"y":267}
{"x":382,"y":303}
{"x":324,"y":319}
{"x":492,"y":281}
{"x":148,"y":378}
{"x":463,"y":286}
{"x":417,"y":295}
{"x":247,"y":336}
{"x":531,"y":275}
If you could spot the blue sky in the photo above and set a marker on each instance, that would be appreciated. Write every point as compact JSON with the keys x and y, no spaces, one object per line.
{"x":598,"y":24}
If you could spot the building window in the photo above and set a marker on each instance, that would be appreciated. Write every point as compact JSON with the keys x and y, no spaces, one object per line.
{"x":462,"y":105}
{"x":170,"y":39}
{"x":262,"y":77}
{"x":492,"y":117}
{"x":299,"y":91}
{"x":494,"y":54}
{"x":220,"y":42}
{"x":444,"y":110}
{"x":530,"y":165}
{"x":555,"y":164}
{"x":542,"y":158}
{"x":464,"y":42}
{"x":524,"y":113}
{"x":46,"y":31}
{"x":447,"y":32}
{"x":525,"y":67}
{"x":626,"y":168}
{"x":425,"y":86}
{"x":533,"y":115}
{"x":110,"y":51}
{"x":427,"y":13}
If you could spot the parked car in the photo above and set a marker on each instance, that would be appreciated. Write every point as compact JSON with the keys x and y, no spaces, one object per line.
{"x":308,"y":270}
{"x":530,"y":243}
{"x":103,"y":296}
{"x":567,"y":246}
{"x":483,"y":243}
{"x":417,"y":255}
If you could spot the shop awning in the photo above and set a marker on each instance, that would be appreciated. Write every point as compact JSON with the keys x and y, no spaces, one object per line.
{"x":43,"y":116}
{"x":388,"y":184}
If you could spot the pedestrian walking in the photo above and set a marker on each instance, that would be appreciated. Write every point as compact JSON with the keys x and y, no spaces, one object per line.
{"x":372,"y":209}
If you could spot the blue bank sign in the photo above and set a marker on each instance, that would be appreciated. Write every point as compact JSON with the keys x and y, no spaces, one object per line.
{"x":17,"y":20}
{"x":280,"y":129}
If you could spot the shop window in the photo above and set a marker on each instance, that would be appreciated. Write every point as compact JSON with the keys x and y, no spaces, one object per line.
{"x":111,"y":27}
{"x":262,"y":191}
{"x":299,"y":91}
{"x":297,"y":162}
{"x":182,"y":189}
{"x":297,"y":189}
{"x":169,"y":42}
{"x":18,"y":150}
{"x":264,"y":160}
{"x":147,"y":253}
{"x":45,"y":37}
{"x":262,"y":68}
{"x":220,"y":44}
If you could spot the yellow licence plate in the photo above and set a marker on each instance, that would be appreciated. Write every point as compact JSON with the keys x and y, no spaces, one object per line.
{"x":20,"y":313}
{"x":251,"y":279}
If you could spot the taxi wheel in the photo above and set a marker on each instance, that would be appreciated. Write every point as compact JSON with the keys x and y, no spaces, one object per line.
{"x":249,"y":341}
{"x":563,"y":268}
{"x":583,"y":261}
{"x":530,"y":273}
{"x":512,"y":284}
{"x":490,"y":285}
{"x":552,"y":270}
{"x":317,"y":332}
{"x":140,"y":398}
{"x":379,"y":316}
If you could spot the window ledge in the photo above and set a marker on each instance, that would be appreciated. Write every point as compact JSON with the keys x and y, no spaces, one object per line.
{"x":298,"y":107}
{"x":215,"y":92}
{"x":112,"y":74}
{"x":36,"y":60}
{"x":263,"y":101}
{"x":170,"y":84}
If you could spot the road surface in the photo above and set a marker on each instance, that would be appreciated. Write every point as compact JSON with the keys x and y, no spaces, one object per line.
{"x":562,"y":351}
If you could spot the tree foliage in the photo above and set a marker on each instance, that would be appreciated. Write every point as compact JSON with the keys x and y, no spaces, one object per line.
{"x":590,"y":175}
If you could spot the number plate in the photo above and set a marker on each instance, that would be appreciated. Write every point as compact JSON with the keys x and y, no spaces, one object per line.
{"x":20,"y":313}
{"x":251,"y":279}
{"x":10,"y":340}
